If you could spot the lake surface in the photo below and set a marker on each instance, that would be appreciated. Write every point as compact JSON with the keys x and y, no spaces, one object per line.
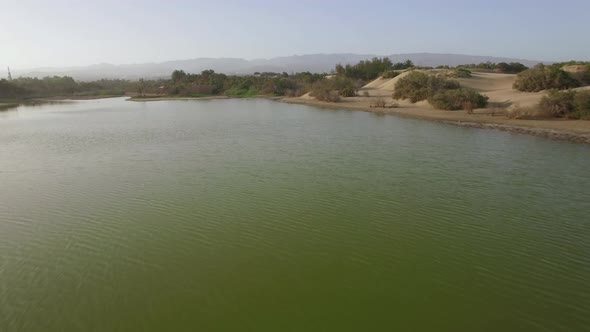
{"x":252,"y":215}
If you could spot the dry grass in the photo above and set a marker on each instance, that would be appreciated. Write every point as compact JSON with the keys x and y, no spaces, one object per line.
{"x":522,"y":112}
{"x":494,"y":111}
{"x":378,"y":103}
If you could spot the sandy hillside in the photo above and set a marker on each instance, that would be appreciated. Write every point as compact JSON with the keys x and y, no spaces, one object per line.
{"x":498,"y":87}
{"x":307,"y":96}
{"x":579,"y":72}
{"x":487,"y":82}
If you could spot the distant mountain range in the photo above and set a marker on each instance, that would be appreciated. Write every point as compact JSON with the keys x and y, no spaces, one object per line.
{"x":295,"y":63}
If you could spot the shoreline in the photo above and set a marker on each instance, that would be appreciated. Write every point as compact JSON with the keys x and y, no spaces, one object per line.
{"x":577,"y":131}
{"x":7,"y":106}
{"x":201,"y":98}
{"x":76,"y":98}
{"x":175,"y":98}
{"x":12,"y":103}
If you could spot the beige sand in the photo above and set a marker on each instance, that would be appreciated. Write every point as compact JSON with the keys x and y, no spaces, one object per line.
{"x":498,"y":87}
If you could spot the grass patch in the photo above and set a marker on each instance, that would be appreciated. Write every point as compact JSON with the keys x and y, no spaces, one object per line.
{"x":242,"y":93}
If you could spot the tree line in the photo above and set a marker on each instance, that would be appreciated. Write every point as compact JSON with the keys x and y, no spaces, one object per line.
{"x":27,"y":87}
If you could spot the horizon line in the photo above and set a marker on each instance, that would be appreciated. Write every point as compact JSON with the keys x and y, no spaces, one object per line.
{"x":278,"y":57}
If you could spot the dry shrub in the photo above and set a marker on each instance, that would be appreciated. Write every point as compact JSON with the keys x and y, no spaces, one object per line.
{"x":582,"y":105}
{"x":330,"y":96}
{"x":418,"y":86}
{"x":460,"y":73}
{"x":378,"y":103}
{"x":294,"y":92}
{"x":543,"y":77}
{"x":324,"y":91}
{"x":457,"y":99}
{"x":579,"y":72}
{"x":468,"y":106}
{"x":331,"y":89}
{"x":520,"y":112}
{"x":347,"y":92}
{"x":557,"y":103}
{"x":390,"y":74}
{"x":569,"y":104}
{"x":497,"y":111}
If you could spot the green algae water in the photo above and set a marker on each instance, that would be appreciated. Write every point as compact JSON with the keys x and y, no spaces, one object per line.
{"x":252,"y":215}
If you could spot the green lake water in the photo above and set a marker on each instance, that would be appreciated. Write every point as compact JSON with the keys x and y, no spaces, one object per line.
{"x":253,"y":215}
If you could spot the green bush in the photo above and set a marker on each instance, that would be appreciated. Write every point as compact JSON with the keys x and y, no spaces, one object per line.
{"x":502,"y":67}
{"x":347,"y":92}
{"x":390,"y":74}
{"x":365,"y":70}
{"x":511,"y":68}
{"x":457,"y":99}
{"x":327,"y":95}
{"x":418,"y":86}
{"x":368,"y":70}
{"x":580,"y":72}
{"x":236,"y":92}
{"x":403,"y":65}
{"x":9,"y":90}
{"x":557,"y":103}
{"x":543,"y":77}
{"x":461,"y":73}
{"x":332,"y":89}
{"x":582,"y":105}
{"x":378,"y":103}
{"x":324,"y":91}
{"x":569,"y":104}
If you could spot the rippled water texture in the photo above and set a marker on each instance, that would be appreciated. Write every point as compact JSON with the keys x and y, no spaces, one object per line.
{"x":252,"y":215}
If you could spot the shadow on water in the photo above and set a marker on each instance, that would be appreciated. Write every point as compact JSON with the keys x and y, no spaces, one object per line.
{"x":7,"y":106}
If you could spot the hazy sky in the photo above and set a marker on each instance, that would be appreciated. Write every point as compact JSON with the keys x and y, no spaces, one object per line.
{"x":71,"y":33}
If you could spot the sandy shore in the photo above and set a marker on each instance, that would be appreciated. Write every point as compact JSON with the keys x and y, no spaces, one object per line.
{"x":498,"y":87}
{"x":562,"y":129}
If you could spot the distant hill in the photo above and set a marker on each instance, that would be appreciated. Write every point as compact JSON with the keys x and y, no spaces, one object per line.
{"x":295,"y":63}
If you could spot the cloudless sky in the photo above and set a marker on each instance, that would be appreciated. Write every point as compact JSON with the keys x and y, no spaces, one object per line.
{"x":71,"y":33}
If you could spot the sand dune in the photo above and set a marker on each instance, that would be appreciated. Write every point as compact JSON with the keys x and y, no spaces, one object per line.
{"x":498,"y":87}
{"x":307,"y":96}
{"x":487,"y":82}
{"x":382,"y":87}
